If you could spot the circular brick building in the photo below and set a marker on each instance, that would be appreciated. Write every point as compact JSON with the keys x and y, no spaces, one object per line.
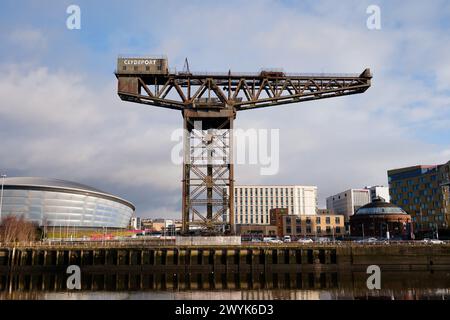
{"x":381,"y":219}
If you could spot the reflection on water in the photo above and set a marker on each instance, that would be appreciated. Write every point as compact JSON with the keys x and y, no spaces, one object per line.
{"x":227,"y":286}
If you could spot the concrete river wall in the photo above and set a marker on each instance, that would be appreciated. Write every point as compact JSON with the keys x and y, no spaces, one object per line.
{"x":157,"y":266}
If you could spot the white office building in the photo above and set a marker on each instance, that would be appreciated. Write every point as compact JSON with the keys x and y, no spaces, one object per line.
{"x":253,"y":203}
{"x":348,"y":202}
{"x":135,"y":223}
{"x":379,"y":192}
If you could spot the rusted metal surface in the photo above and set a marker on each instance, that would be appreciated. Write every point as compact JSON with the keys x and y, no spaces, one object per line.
{"x":207,"y":174}
{"x":241,"y":92}
{"x":213,"y":99}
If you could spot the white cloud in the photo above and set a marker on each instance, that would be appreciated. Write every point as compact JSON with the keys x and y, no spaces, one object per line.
{"x":28,"y":39}
{"x":72,"y":124}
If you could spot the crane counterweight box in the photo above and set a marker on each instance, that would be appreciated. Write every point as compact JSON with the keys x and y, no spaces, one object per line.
{"x":146,"y":65}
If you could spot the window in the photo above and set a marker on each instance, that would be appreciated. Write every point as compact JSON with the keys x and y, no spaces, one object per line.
{"x":298,"y":230}
{"x":318,"y":220}
{"x":288,"y":230}
{"x":319,"y":229}
{"x":337,"y":220}
{"x":338,"y":229}
{"x":147,"y":68}
{"x":328,"y":229}
{"x":308,"y":220}
{"x":308,"y":229}
{"x":124,"y":68}
{"x":328,"y":220}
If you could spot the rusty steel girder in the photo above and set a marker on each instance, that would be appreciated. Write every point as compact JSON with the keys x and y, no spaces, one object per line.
{"x":237,"y":91}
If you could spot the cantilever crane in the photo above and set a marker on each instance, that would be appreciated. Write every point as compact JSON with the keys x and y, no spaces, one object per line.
{"x":208,"y":103}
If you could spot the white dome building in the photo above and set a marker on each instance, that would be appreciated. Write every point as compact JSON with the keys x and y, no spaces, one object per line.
{"x":53,"y":202}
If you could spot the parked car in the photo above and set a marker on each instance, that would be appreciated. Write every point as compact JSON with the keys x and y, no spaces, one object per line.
{"x":305,"y":240}
{"x":275,"y":241}
{"x":368,"y":240}
{"x":323,"y":240}
{"x":287,"y":239}
{"x":433,"y":241}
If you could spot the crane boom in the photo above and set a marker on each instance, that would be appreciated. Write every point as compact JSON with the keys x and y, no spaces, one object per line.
{"x":239,"y":91}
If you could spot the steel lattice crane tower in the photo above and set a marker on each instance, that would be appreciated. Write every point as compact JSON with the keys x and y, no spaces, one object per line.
{"x":209,"y":103}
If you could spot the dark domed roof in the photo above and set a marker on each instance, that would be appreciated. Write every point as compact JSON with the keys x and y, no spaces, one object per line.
{"x":379,"y":206}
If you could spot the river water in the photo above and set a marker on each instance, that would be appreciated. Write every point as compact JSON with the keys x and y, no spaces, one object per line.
{"x":285,"y":286}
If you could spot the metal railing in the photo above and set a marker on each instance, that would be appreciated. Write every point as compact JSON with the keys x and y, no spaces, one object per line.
{"x":171,"y":242}
{"x":258,"y":74}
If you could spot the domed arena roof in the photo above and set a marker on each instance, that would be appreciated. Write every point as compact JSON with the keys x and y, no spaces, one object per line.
{"x":58,"y":185}
{"x":379,"y":206}
{"x":48,"y":182}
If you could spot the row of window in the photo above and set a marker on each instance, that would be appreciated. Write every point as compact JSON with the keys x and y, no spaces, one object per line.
{"x":319,"y":220}
{"x":424,"y":192}
{"x":413,"y":182}
{"x":424,"y":206}
{"x":258,"y":202}
{"x":266,"y":191}
{"x":135,"y":68}
{"x":328,"y":230}
{"x":428,"y":218}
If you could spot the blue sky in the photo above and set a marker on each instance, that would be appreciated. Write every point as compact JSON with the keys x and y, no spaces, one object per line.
{"x":61,"y":115}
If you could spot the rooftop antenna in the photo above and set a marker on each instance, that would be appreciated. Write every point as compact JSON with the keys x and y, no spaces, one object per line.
{"x":186,"y":66}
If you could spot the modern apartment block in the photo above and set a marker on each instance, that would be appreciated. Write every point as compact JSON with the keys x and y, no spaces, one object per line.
{"x":423,"y":192}
{"x":253,"y":203}
{"x":348,"y":202}
{"x":444,"y":172}
{"x":313,"y":226}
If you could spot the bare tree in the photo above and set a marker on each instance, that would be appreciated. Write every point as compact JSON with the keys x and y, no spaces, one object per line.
{"x":17,"y":229}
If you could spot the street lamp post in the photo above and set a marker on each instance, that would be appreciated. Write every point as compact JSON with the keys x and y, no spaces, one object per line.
{"x":437,"y":231}
{"x":388,"y":236}
{"x":334,"y":239}
{"x":3,"y":176}
{"x":362,"y":227}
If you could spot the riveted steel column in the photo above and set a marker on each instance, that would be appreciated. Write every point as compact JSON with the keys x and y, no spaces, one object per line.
{"x":186,"y":178}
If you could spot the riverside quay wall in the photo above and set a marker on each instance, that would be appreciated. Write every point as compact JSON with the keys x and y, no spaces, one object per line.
{"x":158,"y":266}
{"x":273,"y":257}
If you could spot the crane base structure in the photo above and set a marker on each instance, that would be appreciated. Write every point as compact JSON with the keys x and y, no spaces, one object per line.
{"x":209,"y":103}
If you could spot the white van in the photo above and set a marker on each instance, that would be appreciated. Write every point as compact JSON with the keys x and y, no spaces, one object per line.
{"x":287,"y":239}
